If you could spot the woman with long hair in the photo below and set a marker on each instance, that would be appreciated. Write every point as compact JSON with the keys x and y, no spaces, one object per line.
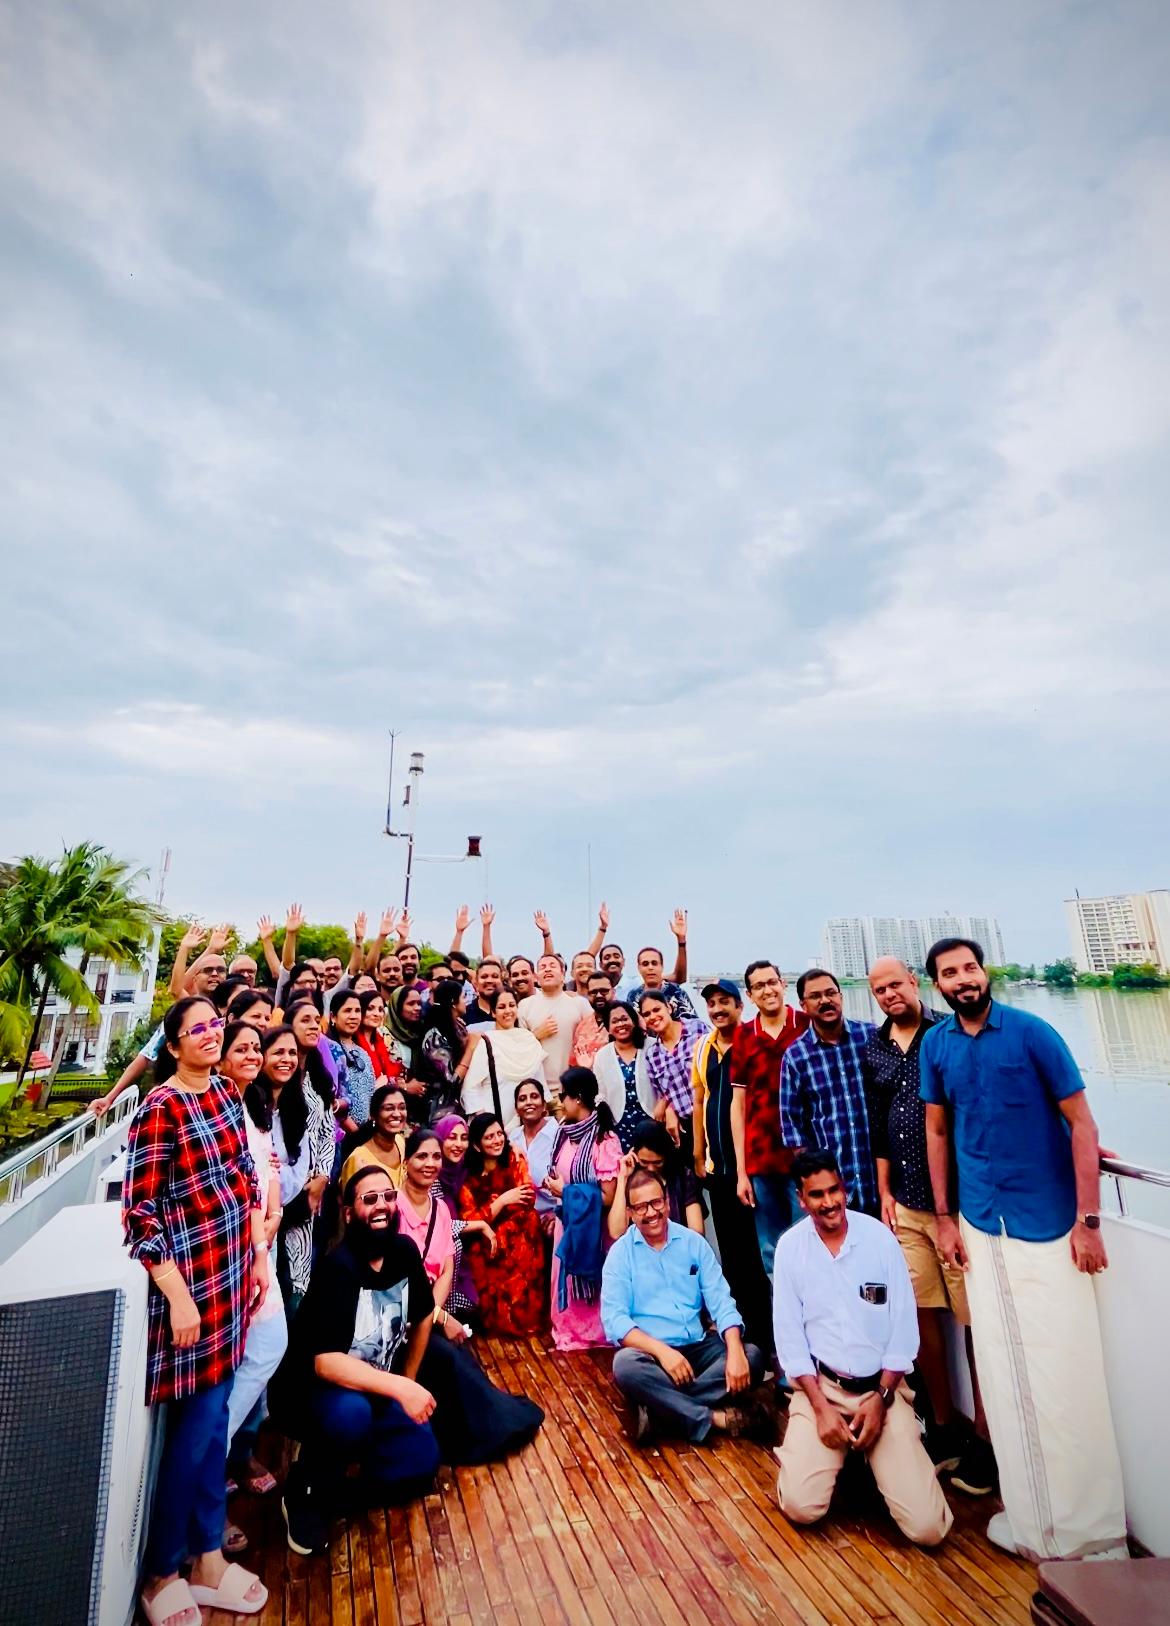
{"x":355,"y":1073}
{"x":382,"y":1141}
{"x":505,"y":1055}
{"x":426,"y":1220}
{"x":583,"y":1178}
{"x":509,"y":1279}
{"x":372,"y":1040}
{"x":280,"y":1101}
{"x":654,"y":1151}
{"x":304,"y":1017}
{"x":404,"y":1024}
{"x":452,"y":1133}
{"x":191,"y":1214}
{"x":444,"y":1052}
{"x":252,"y":1005}
{"x":621,"y":1072}
{"x":535,"y":1138}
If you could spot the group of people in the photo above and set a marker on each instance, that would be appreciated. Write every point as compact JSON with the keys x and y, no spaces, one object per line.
{"x":339,"y":1182}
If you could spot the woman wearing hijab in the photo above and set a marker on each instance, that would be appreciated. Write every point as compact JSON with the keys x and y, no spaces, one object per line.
{"x":583,"y":1178}
{"x":404,"y":1029}
{"x":452,"y":1136}
{"x":506,"y":1055}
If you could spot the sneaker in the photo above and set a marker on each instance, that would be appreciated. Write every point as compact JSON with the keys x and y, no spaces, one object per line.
{"x":304,"y":1519}
{"x":976,"y":1472}
{"x":945,"y":1446}
{"x":999,"y":1533}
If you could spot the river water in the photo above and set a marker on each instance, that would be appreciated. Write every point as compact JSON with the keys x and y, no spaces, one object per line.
{"x":1122,"y":1044}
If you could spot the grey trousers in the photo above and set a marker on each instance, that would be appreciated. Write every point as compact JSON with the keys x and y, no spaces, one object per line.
{"x":686,"y":1410}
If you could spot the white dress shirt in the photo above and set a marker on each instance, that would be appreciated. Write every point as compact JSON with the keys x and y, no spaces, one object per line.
{"x":819,"y":1312}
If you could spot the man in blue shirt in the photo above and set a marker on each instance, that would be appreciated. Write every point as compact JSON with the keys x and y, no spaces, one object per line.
{"x":656,"y":1282}
{"x":1003,"y":1083}
{"x":822,"y":1092}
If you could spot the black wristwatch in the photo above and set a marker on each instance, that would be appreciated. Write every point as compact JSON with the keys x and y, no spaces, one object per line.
{"x":1091,"y":1222}
{"x":886,"y":1396}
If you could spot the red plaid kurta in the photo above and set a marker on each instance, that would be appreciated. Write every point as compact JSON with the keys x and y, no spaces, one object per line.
{"x":190,"y":1186}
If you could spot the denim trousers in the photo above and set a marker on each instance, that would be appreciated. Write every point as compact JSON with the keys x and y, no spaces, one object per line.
{"x":266,"y":1343}
{"x":685,"y":1408}
{"x":775,"y":1211}
{"x":189,"y":1503}
{"x":343,"y":1426}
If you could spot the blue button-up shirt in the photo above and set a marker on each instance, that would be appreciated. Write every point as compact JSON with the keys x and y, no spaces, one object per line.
{"x":820,"y":1313}
{"x":662,"y":1291}
{"x":1012,"y":1144}
{"x":822,"y":1105}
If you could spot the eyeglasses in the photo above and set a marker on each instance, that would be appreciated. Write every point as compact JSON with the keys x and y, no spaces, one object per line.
{"x":654,"y":1205}
{"x":200,"y":1028}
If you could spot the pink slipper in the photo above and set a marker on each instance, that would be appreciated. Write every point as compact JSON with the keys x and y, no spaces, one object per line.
{"x":175,"y":1604}
{"x":229,"y":1595}
{"x":262,"y":1484}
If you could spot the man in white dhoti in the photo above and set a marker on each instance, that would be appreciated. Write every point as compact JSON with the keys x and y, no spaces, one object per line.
{"x":1028,"y":1235}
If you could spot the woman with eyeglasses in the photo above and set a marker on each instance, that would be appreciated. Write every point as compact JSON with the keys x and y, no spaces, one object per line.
{"x":622,"y":1078}
{"x":381,"y":1143}
{"x":509,"y":1277}
{"x":355,"y":1074}
{"x":654,"y":1151}
{"x":191,"y":1212}
{"x":267,"y":1330}
{"x":280,"y":1101}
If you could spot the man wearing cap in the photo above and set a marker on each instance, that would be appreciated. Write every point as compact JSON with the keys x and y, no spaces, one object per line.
{"x":715,"y":1163}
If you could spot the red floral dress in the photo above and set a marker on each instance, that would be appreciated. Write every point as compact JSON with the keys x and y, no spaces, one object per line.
{"x":510,"y":1284}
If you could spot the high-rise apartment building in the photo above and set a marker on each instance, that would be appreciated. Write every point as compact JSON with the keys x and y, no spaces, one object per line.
{"x":852,"y":943}
{"x":1127,"y":929}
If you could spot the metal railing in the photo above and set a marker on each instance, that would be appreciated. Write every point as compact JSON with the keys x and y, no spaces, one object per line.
{"x":45,"y":1156}
{"x":1118,"y":1170}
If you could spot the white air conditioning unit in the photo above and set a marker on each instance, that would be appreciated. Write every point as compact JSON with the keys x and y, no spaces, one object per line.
{"x":77,"y":1441}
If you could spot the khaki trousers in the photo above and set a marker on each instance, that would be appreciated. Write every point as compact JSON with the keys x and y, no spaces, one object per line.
{"x":904,"y":1472}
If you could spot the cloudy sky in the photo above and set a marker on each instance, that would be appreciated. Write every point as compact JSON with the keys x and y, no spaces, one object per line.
{"x":729,"y":439}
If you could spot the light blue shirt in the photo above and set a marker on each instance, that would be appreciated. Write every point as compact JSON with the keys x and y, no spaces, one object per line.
{"x":661,"y":1291}
{"x":538,"y":1151}
{"x":818,"y":1309}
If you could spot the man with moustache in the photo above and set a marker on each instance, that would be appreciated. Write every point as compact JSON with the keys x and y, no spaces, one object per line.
{"x":846,"y":1335}
{"x":897,"y":1129}
{"x":1002,"y":1089}
{"x":521,"y":976}
{"x":822,"y":1095}
{"x":388,"y":975}
{"x":591,"y":1034}
{"x":488,"y":979}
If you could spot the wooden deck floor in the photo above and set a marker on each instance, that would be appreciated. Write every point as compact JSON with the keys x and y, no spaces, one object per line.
{"x":583,"y":1527}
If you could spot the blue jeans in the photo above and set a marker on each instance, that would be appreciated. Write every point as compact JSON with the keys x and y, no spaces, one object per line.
{"x":344,"y":1426}
{"x":775,"y":1211}
{"x":189,"y":1505}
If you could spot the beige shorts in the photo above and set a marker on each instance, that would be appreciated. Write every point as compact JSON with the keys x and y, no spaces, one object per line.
{"x":936,"y":1286}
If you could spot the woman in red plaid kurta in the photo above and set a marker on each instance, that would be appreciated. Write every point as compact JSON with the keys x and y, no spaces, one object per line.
{"x":191,"y":1214}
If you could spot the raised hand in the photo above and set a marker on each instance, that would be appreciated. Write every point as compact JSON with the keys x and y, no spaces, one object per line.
{"x":295,"y":918}
{"x":603,"y":916}
{"x":463,"y":918}
{"x":404,"y":927}
{"x":265,"y":930}
{"x":541,"y":920}
{"x":388,"y":922}
{"x":678,"y":924}
{"x":218,"y":938}
{"x":359,"y":928}
{"x":486,"y":915}
{"x":193,"y":936}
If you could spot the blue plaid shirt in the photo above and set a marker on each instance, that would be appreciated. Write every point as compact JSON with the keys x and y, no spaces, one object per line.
{"x":822,"y":1105}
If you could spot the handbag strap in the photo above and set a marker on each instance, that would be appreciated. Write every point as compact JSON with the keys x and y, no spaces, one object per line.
{"x":431,"y":1227}
{"x":495,"y":1083}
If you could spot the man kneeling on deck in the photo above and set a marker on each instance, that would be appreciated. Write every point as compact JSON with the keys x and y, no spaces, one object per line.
{"x":656,"y":1282}
{"x":846,"y":1333}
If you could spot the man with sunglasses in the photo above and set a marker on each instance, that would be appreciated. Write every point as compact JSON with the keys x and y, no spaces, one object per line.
{"x":657,"y":1281}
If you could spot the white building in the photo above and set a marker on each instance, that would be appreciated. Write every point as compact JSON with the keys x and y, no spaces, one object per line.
{"x":852,"y":943}
{"x":1126,"y":929}
{"x":124,"y":998}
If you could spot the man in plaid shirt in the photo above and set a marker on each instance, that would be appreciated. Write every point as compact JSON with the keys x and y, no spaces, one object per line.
{"x":822,"y":1095}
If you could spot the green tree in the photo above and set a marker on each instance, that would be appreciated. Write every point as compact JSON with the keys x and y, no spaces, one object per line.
{"x":86,"y":900}
{"x":1145,"y":975}
{"x":1061,"y":974}
{"x":313,"y":943}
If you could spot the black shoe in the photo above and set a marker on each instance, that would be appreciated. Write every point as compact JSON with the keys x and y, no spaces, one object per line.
{"x":643,"y":1427}
{"x":945,"y":1446}
{"x":304,"y":1518}
{"x":976,"y":1473}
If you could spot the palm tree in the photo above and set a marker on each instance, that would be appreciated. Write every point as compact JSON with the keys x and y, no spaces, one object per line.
{"x":88,"y":901}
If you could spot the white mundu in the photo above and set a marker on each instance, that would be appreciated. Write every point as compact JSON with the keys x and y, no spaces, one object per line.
{"x":1038,"y":1352}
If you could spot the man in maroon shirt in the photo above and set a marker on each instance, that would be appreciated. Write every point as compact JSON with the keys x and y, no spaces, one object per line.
{"x":762,"y":1160}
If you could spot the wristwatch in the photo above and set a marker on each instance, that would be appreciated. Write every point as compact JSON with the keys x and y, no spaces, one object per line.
{"x":1091,"y":1222}
{"x":886,"y":1396}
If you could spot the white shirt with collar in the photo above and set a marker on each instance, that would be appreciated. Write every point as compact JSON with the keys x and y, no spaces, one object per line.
{"x":819,"y":1312}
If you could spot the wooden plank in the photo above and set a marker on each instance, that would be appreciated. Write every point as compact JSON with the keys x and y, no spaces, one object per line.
{"x":430,"y":1589}
{"x":386,"y":1611}
{"x":446,"y":1559}
{"x":361,"y":1574}
{"x":410,"y":1607}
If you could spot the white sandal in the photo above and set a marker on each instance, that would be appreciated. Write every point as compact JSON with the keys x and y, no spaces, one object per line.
{"x":229,"y":1594}
{"x":175,"y":1602}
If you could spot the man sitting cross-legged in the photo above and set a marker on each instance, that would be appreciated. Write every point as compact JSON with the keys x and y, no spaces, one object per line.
{"x":656,"y":1283}
{"x":846,"y":1334}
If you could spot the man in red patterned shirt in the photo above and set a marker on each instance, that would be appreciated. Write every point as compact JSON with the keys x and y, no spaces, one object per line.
{"x":762,"y":1160}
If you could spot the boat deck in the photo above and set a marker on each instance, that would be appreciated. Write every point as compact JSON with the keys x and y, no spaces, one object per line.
{"x":583,"y":1527}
